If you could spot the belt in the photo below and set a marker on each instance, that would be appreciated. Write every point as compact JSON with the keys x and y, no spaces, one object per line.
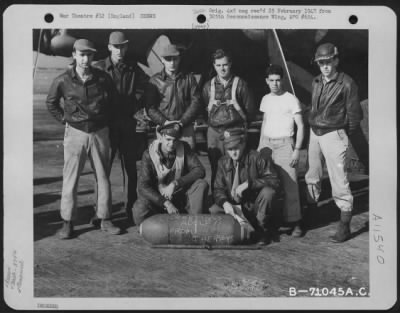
{"x":278,"y":139}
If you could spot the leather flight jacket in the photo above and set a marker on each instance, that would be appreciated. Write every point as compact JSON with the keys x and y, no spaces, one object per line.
{"x":87,"y":105}
{"x":335,"y":105}
{"x":130,"y":82}
{"x":170,"y":98}
{"x":148,"y":182}
{"x":252,"y":168}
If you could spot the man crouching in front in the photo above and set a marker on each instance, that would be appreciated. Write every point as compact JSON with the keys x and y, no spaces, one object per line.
{"x":171,"y":178}
{"x":247,"y":182}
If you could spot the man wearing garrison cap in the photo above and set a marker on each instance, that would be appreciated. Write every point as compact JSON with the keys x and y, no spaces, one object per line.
{"x":88,"y":98}
{"x":171,"y":179}
{"x":246,"y":184}
{"x":129,"y":81}
{"x":173,"y":95}
{"x":335,"y":114}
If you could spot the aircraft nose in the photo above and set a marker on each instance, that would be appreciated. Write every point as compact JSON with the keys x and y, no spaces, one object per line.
{"x":62,"y":43}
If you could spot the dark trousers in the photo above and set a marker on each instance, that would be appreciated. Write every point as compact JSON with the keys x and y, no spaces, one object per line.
{"x":259,"y":209}
{"x":123,"y":140}
{"x":215,"y":151}
{"x":191,"y":200}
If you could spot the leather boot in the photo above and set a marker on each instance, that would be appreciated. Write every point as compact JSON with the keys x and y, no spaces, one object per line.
{"x":298,"y":229}
{"x":263,"y":238}
{"x":66,"y":231}
{"x":272,"y":231}
{"x":95,"y":221}
{"x":343,"y":232}
{"x":108,"y":227}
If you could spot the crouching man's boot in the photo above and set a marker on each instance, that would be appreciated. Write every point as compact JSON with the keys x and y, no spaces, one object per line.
{"x":343,"y":231}
{"x":129,"y":216}
{"x":263,"y":238}
{"x":298,"y":229}
{"x":268,"y":235}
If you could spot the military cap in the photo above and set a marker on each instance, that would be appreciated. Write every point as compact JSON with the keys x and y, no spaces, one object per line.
{"x":172,"y":129}
{"x":169,"y":50}
{"x":233,"y":137}
{"x":84,"y":45}
{"x":326,"y":51}
{"x":117,"y":38}
{"x":266,"y":153}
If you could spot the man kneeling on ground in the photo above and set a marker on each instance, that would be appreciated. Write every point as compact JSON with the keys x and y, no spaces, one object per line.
{"x":171,"y":177}
{"x":248,"y":182}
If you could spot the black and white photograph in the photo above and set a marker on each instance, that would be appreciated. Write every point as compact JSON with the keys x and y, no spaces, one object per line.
{"x":224,"y":161}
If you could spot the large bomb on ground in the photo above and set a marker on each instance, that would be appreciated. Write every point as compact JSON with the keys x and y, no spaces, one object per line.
{"x":202,"y":229}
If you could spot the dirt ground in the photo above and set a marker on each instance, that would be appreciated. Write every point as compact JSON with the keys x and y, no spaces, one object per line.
{"x":95,"y":264}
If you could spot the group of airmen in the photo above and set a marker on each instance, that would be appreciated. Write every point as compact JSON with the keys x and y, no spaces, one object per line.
{"x":97,"y":102}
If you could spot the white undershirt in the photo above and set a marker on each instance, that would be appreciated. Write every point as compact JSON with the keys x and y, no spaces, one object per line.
{"x":279,"y":114}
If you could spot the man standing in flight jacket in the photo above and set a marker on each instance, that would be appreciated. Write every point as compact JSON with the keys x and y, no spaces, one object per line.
{"x":335,"y":114}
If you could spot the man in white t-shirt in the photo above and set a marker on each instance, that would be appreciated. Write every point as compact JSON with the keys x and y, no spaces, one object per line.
{"x":281,"y":112}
